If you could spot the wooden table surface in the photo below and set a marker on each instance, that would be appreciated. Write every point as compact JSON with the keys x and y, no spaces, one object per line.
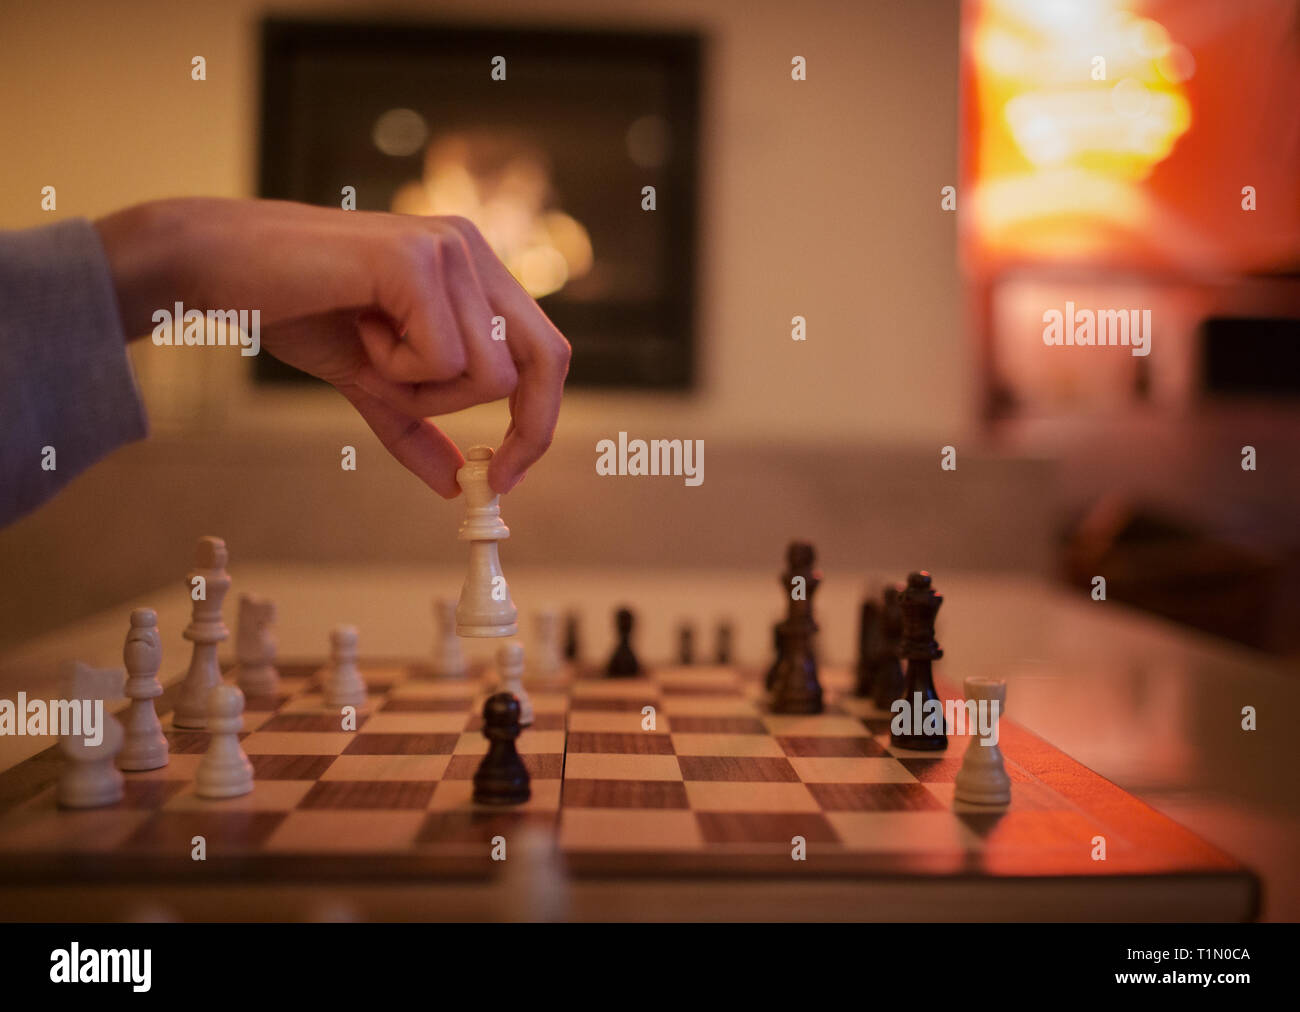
{"x":1151,"y":706}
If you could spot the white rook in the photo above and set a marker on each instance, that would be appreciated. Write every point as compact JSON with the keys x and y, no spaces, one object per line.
{"x":982,"y":779}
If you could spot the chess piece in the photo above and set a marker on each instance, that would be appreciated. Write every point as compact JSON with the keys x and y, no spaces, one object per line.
{"x":920,"y":604}
{"x":723,"y":643}
{"x":255,"y":646}
{"x":623,"y":662}
{"x":982,"y":779}
{"x":886,"y":666}
{"x":207,"y":584}
{"x":572,"y":643}
{"x":501,"y":778}
{"x":795,"y":687}
{"x":769,"y":680}
{"x":547,"y":658}
{"x":224,"y":771}
{"x":510,"y":670}
{"x":686,"y":644}
{"x":448,"y":657}
{"x":145,"y":746}
{"x":869,"y":632}
{"x":342,"y":682}
{"x":89,"y":778}
{"x":485,"y":608}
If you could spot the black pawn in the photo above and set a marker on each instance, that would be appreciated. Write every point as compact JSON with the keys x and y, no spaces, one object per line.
{"x":886,"y":668}
{"x":796,"y":688}
{"x":769,"y":680}
{"x":920,"y":604}
{"x":722,"y":645}
{"x":686,"y":644}
{"x":571,"y":645}
{"x":623,"y":662}
{"x":501,"y":778}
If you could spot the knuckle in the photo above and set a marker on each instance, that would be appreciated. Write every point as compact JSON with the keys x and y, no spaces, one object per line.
{"x":500,"y":381}
{"x":462,"y":225}
{"x":422,"y":251}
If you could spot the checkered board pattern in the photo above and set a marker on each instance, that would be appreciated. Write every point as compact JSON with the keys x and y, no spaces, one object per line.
{"x":392,"y":798}
{"x":722,"y":785}
{"x":719,"y":786}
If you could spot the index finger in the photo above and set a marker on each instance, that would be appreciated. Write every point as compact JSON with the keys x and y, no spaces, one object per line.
{"x":541,"y":356}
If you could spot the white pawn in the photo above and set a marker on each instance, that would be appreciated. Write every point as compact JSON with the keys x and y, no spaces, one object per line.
{"x":146,"y":746}
{"x":255,"y":646}
{"x":343,"y":684}
{"x":448,"y":657}
{"x":510,"y":668}
{"x":224,"y":771}
{"x":548,"y":656}
{"x":89,"y":778}
{"x":982,"y":779}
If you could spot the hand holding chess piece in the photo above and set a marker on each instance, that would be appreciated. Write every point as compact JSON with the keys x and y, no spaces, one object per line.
{"x":485,"y":608}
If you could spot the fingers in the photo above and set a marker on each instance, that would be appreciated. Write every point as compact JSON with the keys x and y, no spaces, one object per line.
{"x":419,"y":445}
{"x":541,"y":356}
{"x":438,"y":355}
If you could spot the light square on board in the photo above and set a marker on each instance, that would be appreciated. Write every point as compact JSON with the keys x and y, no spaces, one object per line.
{"x":614,"y":721}
{"x":386,"y":722}
{"x":320,"y":830}
{"x":267,"y":796}
{"x":621,"y":767}
{"x":792,"y":725}
{"x":850,"y":770}
{"x":903,"y":832}
{"x":612,"y":830}
{"x":387,"y":767}
{"x":717,"y":796}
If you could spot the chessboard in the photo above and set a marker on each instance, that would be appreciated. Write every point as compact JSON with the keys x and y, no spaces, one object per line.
{"x":682,"y":772}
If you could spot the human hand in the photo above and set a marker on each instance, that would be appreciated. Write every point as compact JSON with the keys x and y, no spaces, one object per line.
{"x":395,"y":311}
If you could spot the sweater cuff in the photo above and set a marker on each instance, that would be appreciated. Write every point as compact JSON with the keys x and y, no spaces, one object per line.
{"x":67,"y":394}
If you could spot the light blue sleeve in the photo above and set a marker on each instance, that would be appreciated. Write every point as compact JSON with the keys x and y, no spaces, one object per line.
{"x":65,"y":381}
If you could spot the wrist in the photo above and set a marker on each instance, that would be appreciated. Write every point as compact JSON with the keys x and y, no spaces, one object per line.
{"x":143,"y":245}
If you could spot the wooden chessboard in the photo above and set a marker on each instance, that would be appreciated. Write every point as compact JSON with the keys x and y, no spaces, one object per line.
{"x":714,"y":787}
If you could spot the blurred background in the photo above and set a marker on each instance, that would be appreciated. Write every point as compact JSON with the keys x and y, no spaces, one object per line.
{"x":1111,"y":185}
